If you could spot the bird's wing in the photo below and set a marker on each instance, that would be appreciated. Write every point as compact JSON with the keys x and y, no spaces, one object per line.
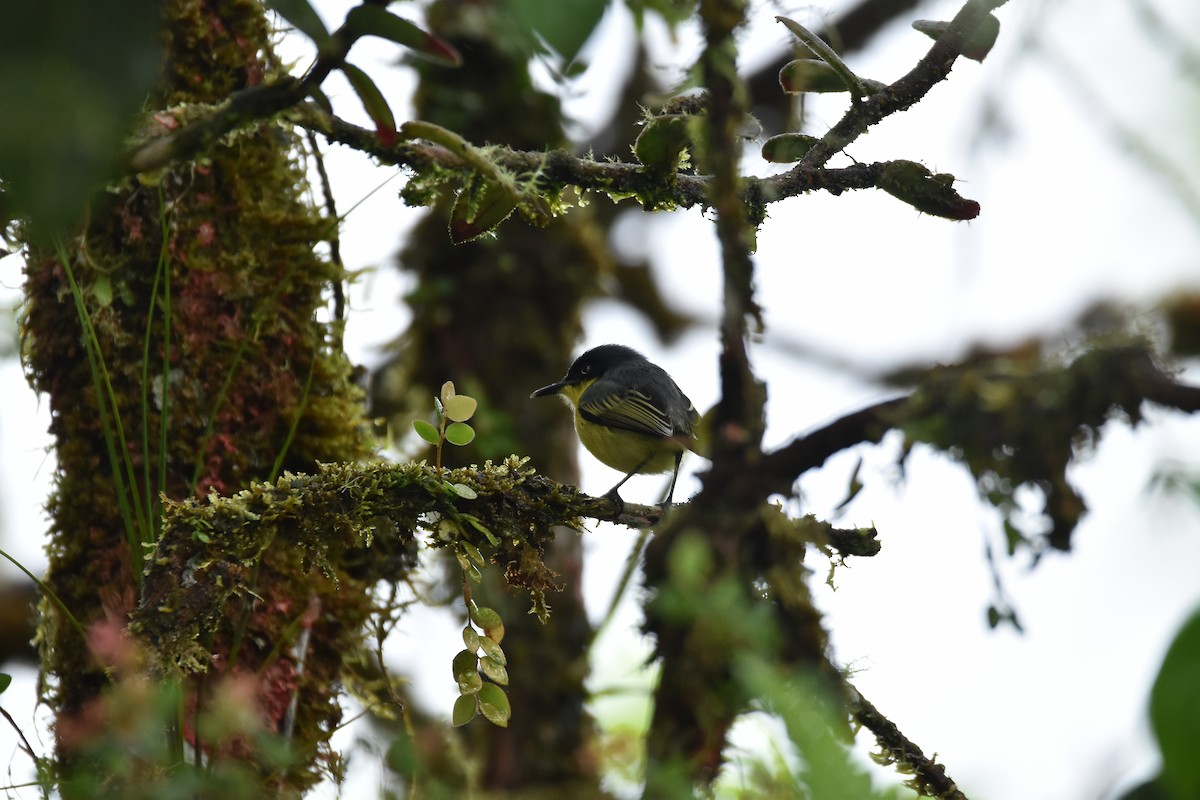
{"x":607,"y":403}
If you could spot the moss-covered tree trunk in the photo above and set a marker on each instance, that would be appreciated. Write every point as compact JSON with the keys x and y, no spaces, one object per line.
{"x":201,"y":285}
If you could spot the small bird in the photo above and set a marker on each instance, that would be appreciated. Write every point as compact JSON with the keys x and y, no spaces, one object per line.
{"x":629,"y":413}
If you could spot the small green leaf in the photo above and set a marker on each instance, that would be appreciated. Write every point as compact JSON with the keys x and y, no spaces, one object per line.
{"x":460,"y":407}
{"x":493,"y":651}
{"x":977,"y":45}
{"x":480,"y":207}
{"x":301,"y":16}
{"x":464,"y":710}
{"x":426,"y":431}
{"x":461,"y":489}
{"x":5,"y":681}
{"x":474,"y":522}
{"x":810,"y":75}
{"x":374,"y":102}
{"x":662,"y":141}
{"x":493,"y":703}
{"x":373,"y":20}
{"x":472,"y":552}
{"x":446,"y":392}
{"x":826,"y":53}
{"x":459,"y":433}
{"x":993,"y":617}
{"x":931,"y":194}
{"x":787,"y":147}
{"x":1175,"y":711}
{"x":494,"y":671}
{"x":489,"y":621}
{"x":471,"y":639}
{"x":466,"y":672}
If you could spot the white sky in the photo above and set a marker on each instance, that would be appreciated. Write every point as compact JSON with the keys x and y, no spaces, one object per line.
{"x":1068,"y":219}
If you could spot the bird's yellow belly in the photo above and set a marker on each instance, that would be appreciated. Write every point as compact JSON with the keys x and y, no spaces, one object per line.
{"x":624,"y":450}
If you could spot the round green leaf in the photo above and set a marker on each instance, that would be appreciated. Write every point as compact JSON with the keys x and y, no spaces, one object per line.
{"x":471,"y":639}
{"x":459,"y":433}
{"x":466,"y":672}
{"x":662,"y":141}
{"x":426,"y":431}
{"x":486,"y":618}
{"x":447,"y":392}
{"x":494,"y":671}
{"x":494,"y":651}
{"x":464,"y":709}
{"x":493,"y":703}
{"x":462,"y":490}
{"x":460,"y":407}
{"x":5,"y":681}
{"x":787,"y":147}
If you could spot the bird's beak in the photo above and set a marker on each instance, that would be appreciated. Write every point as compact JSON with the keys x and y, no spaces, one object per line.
{"x":546,"y":391}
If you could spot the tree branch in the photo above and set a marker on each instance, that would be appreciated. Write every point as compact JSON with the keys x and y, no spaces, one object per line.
{"x":929,"y":777}
{"x":933,"y":68}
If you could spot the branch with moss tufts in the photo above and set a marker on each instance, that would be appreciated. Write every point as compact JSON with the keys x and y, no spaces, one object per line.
{"x":556,"y":171}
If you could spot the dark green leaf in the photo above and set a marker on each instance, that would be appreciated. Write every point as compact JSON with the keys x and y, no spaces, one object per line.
{"x":1175,"y":712}
{"x":810,"y":75}
{"x":993,"y":617}
{"x":373,"y":101}
{"x":302,"y":17}
{"x":924,"y":191}
{"x":662,"y":141}
{"x":977,"y":45}
{"x":787,"y":147}
{"x":564,"y":26}
{"x":460,"y":433}
{"x":464,"y":709}
{"x":480,"y":207}
{"x":474,"y":522}
{"x":5,"y":681}
{"x":473,"y":554}
{"x":493,"y":704}
{"x":426,"y":431}
{"x":466,"y":672}
{"x":74,"y":77}
{"x":372,"y":20}
{"x":402,"y":756}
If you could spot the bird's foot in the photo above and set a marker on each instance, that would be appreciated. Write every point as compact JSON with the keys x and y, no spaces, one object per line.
{"x":617,"y":501}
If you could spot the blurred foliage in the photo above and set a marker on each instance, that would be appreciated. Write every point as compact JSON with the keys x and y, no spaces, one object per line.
{"x":74,"y":75}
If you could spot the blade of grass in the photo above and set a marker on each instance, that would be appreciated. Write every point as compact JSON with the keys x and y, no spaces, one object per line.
{"x":110,"y":422}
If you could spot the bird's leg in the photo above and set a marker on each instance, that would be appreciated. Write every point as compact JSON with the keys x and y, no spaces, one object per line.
{"x":666,"y":503}
{"x":611,"y":494}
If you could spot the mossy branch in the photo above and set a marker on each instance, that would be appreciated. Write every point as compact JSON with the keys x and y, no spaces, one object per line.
{"x":559,"y":170}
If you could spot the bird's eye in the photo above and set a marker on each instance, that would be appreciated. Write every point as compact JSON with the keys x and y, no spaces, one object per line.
{"x":585,"y":369}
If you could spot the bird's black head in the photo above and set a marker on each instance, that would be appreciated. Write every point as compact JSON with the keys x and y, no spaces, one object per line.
{"x":599,"y":360}
{"x":593,"y":364}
